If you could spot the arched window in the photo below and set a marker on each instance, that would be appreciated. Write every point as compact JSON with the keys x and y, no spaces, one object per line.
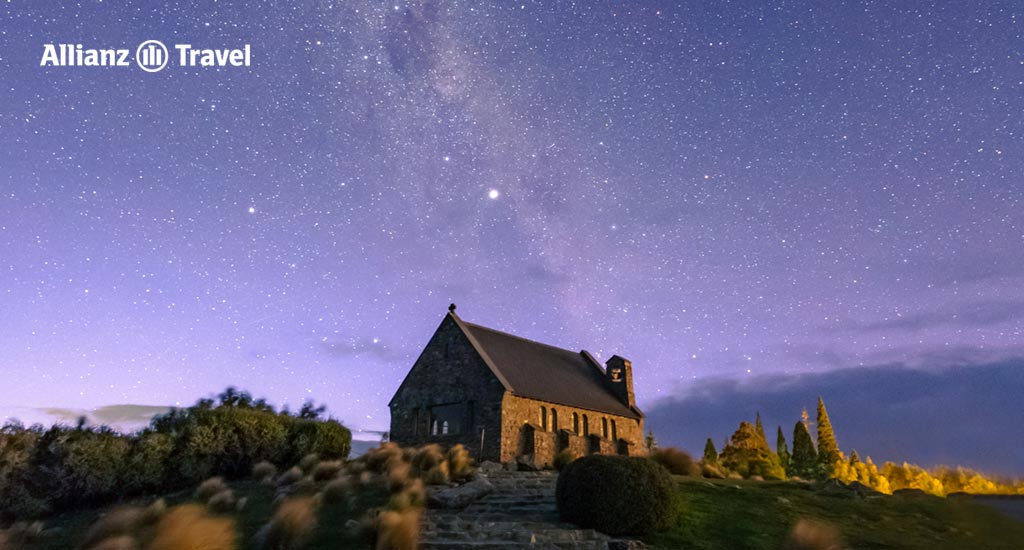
{"x":433,"y":428}
{"x":615,"y":433}
{"x":554,"y":420}
{"x":575,"y":423}
{"x":586,"y":425}
{"x":544,"y":419}
{"x":444,"y":428}
{"x":604,"y":428}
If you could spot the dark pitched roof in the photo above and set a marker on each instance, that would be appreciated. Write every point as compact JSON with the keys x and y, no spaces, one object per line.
{"x":546,"y":373}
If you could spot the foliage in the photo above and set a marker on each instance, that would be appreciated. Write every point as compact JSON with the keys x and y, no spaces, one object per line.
{"x":760,"y":429}
{"x":676,"y":461}
{"x":617,"y":495}
{"x":782,"y":450}
{"x":748,"y":455}
{"x":710,"y":454}
{"x":63,"y":467}
{"x":828,"y":449}
{"x":804,"y":462}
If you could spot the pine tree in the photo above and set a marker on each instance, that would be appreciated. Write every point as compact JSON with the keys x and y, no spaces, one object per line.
{"x":828,"y":449}
{"x":804,"y":460}
{"x":748,"y":455}
{"x":854,"y":458}
{"x":781,"y":449}
{"x":650,"y":441}
{"x":710,"y":454}
{"x":760,"y":429}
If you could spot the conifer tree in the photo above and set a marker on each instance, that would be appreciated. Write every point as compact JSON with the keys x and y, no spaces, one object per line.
{"x":828,"y":449}
{"x":650,"y":441}
{"x":854,"y":458}
{"x":804,"y":460}
{"x":748,"y":455}
{"x":781,"y":449}
{"x":710,"y":454}
{"x":760,"y":429}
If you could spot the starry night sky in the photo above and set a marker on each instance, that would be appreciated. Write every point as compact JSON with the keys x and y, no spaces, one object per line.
{"x":720,"y":191}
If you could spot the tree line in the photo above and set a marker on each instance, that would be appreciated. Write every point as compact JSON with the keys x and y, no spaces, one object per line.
{"x":747,"y":454}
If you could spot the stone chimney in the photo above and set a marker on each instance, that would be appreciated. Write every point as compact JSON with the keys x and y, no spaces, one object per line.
{"x":619,"y":372}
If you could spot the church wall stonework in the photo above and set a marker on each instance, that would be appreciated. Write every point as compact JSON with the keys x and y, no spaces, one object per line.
{"x":450,"y":372}
{"x":521,"y":411}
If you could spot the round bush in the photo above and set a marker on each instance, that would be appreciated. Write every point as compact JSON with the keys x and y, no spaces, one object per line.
{"x":617,"y":495}
{"x":676,"y":461}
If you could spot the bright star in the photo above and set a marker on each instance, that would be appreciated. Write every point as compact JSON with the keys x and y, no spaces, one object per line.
{"x":252,"y":209}
{"x":493,"y":194}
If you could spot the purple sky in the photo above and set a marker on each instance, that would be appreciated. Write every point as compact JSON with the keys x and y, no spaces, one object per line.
{"x":721,"y":190}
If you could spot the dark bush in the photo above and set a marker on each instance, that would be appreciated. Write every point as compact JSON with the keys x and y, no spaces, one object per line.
{"x":44,"y":471}
{"x":563,"y":459}
{"x":617,"y":495}
{"x":676,"y":461}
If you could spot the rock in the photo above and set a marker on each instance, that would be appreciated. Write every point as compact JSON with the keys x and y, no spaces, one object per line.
{"x":458,"y":496}
{"x":862,"y":490}
{"x":834,"y":487}
{"x":525,"y":463}
{"x":510,"y":466}
{"x":488,"y":467}
{"x":626,"y":545}
{"x":909,"y":493}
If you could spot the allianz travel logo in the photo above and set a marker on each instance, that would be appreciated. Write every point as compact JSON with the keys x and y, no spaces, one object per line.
{"x":151,"y":56}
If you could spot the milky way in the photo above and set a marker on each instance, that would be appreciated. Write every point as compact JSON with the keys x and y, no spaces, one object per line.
{"x":721,"y":189}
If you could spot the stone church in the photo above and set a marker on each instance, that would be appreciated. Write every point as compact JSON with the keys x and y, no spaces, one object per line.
{"x":503,"y":397}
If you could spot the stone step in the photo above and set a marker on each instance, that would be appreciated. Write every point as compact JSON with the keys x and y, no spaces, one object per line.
{"x":519,"y":513}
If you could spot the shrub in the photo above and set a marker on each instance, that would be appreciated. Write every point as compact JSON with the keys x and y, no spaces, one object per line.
{"x":264,"y":471}
{"x":187,"y":527}
{"x":211,"y":487}
{"x":676,"y":461}
{"x":438,"y":475}
{"x":290,"y":477}
{"x":292,"y":524}
{"x":222,"y":502}
{"x":398,"y":472}
{"x":309,"y":462}
{"x":116,"y":523}
{"x":398,"y":530}
{"x":563,"y":458}
{"x":460,"y":465}
{"x":427,"y":457}
{"x":377,"y":460}
{"x":326,"y":470}
{"x":711,"y":471}
{"x":813,"y":535}
{"x":617,"y":495}
{"x":337,"y":490}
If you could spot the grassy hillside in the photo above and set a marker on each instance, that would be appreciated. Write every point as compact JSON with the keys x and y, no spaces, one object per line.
{"x":740,"y":515}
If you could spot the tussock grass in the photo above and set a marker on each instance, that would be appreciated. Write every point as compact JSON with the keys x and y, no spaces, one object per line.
{"x":264,"y":471}
{"x":188,"y":527}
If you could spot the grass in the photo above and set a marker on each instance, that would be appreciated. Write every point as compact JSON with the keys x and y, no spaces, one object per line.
{"x":734,"y":514}
{"x":740,"y":515}
{"x":67,"y":530}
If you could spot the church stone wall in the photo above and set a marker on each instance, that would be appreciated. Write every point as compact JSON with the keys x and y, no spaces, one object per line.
{"x":450,"y":382}
{"x":523,"y":426}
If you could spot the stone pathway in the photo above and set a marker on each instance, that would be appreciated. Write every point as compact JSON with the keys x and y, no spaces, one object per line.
{"x":520,"y":513}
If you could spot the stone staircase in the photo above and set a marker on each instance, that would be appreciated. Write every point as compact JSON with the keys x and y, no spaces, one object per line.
{"x":520,"y":513}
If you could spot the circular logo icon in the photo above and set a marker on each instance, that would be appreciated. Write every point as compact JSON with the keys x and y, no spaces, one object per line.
{"x":151,"y":56}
